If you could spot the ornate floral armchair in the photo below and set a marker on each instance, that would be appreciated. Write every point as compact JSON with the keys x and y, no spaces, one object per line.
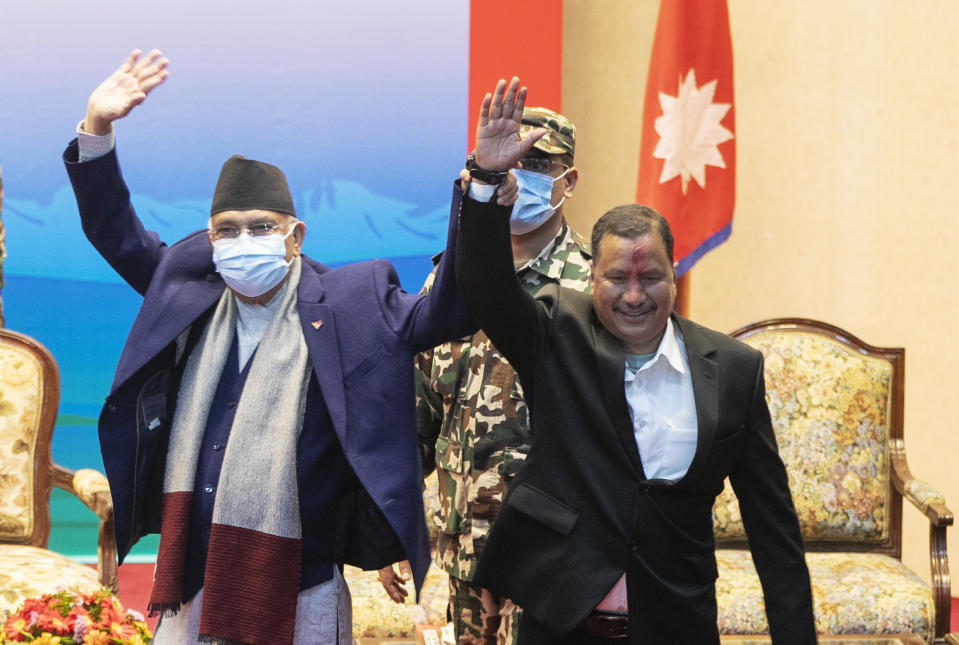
{"x":837,"y":409}
{"x":29,"y":394}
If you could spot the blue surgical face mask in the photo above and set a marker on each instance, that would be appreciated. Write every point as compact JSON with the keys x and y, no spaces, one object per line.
{"x":251,"y":266}
{"x":532,"y":208}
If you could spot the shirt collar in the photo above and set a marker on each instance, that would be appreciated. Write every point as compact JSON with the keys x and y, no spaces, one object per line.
{"x":670,"y":348}
{"x":543,"y":263}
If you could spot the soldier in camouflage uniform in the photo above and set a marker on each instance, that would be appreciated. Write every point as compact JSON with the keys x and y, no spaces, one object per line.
{"x":472,"y":419}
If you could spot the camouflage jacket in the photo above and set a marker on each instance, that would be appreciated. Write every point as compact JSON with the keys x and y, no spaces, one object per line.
{"x":472,"y":421}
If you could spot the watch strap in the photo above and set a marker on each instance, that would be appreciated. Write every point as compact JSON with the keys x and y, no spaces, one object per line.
{"x":495,"y":177}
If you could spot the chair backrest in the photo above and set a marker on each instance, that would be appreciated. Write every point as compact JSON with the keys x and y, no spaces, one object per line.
{"x":29,"y":394}
{"x":837,"y":407}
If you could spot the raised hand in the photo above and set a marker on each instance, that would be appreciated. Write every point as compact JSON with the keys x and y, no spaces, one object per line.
{"x":498,"y":146}
{"x":124,"y":89}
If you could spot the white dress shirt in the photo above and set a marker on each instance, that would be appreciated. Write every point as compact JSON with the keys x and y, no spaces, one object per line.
{"x":663,"y":409}
{"x":92,"y":146}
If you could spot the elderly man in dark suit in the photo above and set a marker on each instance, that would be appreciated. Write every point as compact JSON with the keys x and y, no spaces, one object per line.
{"x":261,"y":415}
{"x":638,"y":416}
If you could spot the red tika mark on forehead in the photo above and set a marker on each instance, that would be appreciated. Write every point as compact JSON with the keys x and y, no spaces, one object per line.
{"x":638,"y":261}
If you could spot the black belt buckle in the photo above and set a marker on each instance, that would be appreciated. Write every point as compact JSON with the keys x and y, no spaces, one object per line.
{"x":605,"y":625}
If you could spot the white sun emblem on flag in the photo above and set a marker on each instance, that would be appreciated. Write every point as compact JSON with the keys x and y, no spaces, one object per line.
{"x":689,"y":132}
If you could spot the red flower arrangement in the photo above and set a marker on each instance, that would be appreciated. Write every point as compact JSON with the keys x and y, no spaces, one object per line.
{"x":67,"y":618}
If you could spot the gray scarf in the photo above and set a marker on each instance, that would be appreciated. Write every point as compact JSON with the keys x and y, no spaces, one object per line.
{"x":256,"y":532}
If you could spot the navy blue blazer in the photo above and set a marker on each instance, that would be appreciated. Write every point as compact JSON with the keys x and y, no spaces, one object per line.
{"x":361,"y":329}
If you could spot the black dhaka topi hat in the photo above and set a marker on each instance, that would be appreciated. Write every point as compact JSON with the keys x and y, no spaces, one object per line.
{"x":247,"y":184}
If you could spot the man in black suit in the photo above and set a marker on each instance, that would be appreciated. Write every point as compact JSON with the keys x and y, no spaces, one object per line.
{"x":638,"y":416}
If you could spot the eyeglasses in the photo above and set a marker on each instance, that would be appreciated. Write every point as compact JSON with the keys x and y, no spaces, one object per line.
{"x":256,"y":230}
{"x":542,"y":165}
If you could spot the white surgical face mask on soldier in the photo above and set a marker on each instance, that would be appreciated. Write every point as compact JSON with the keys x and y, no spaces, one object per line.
{"x":251,"y":265}
{"x":532,"y":208}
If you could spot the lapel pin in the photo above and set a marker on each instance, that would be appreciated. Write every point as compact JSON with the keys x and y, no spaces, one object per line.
{"x":317,"y":324}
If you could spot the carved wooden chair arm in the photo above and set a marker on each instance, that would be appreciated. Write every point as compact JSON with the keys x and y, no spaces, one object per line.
{"x":920,"y":494}
{"x":933,"y":505}
{"x":91,"y":488}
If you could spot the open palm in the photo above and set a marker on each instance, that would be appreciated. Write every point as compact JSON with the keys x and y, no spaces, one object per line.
{"x":124,"y":89}
{"x":498,"y":145}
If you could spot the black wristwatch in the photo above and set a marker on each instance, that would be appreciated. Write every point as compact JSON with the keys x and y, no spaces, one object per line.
{"x":494,"y":177}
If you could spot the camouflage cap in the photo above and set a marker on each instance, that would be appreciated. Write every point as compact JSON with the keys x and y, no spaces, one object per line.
{"x":560,"y":137}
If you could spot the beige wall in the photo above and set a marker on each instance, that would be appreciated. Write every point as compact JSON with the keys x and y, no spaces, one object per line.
{"x":847,"y":119}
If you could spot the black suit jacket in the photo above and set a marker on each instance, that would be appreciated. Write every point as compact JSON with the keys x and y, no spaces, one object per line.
{"x":582,"y":511}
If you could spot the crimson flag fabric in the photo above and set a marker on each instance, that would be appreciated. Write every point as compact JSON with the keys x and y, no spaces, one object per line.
{"x":687,"y":162}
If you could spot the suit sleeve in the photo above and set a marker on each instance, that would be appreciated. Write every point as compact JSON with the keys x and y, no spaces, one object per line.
{"x":512,"y":319}
{"x":762,"y":487}
{"x":108,"y":218}
{"x":429,"y":404}
{"x":424,"y":321}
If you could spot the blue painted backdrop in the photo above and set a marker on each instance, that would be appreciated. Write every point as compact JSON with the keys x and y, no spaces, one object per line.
{"x":363,"y":105}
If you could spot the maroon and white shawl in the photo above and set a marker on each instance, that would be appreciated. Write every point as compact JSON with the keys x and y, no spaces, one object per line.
{"x":252,"y":572}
